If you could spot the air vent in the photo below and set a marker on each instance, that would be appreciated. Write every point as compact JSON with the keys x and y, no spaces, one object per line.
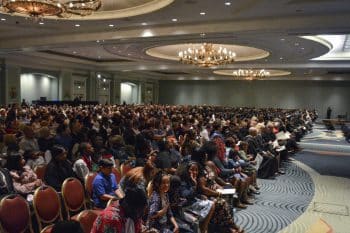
{"x":170,"y":72}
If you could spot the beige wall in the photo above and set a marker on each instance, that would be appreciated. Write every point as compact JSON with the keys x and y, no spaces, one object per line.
{"x":283,"y":94}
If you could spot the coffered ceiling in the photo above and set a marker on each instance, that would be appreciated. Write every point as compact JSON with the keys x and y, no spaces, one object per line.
{"x":308,"y":38}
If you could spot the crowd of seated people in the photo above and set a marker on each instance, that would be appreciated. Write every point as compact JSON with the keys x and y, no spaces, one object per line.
{"x":180,"y":156}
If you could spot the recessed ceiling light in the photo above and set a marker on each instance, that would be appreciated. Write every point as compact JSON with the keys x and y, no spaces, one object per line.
{"x":296,"y":44}
{"x":74,"y":52}
{"x":77,"y":25}
{"x":202,"y":13}
{"x":97,"y":41}
{"x":282,"y":39}
{"x":228,"y":3}
{"x":281,"y":58}
{"x":202,"y":34}
{"x":174,"y":20}
{"x":98,"y":75}
{"x":41,"y":23}
{"x":302,"y":48}
{"x":111,"y":25}
{"x":144,"y":24}
{"x":3,"y":19}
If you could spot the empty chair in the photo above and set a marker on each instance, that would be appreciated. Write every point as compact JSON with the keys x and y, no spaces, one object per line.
{"x":73,"y":196}
{"x":15,"y":215}
{"x":86,"y":219}
{"x":47,"y":206}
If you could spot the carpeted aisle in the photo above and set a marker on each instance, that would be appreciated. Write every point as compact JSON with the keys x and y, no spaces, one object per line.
{"x":281,"y":201}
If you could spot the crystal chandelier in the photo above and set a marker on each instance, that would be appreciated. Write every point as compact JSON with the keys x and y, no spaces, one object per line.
{"x":206,"y":55}
{"x":41,"y":8}
{"x":250,"y":74}
{"x":83,"y":8}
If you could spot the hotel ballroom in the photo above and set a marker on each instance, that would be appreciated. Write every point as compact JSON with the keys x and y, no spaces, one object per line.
{"x":183,"y":116}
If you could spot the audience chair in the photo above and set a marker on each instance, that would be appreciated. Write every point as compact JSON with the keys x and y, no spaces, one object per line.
{"x":47,"y":229}
{"x":111,"y":201}
{"x":73,"y":196}
{"x":47,"y":206}
{"x":117,"y":173}
{"x":15,"y":215}
{"x":86,"y":218}
{"x":89,"y":179}
{"x":40,"y":171}
{"x":124,"y":168}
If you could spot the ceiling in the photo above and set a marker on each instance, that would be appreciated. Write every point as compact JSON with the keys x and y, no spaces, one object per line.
{"x":288,"y":30}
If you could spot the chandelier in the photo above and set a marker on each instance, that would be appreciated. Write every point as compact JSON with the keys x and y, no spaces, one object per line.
{"x":250,"y":74}
{"x":206,"y":55}
{"x":40,"y":8}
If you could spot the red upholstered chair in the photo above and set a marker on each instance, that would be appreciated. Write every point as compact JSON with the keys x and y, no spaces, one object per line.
{"x":89,"y":179}
{"x":86,"y":219}
{"x":118,"y":175}
{"x":40,"y":171}
{"x":47,"y":229}
{"x":124,"y":168}
{"x":47,"y":205}
{"x":73,"y":196}
{"x":15,"y":215}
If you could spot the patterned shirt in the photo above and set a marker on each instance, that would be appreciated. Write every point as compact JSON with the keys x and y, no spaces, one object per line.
{"x":113,"y":220}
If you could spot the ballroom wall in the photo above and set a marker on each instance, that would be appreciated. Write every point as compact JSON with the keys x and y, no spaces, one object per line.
{"x":284,"y":94}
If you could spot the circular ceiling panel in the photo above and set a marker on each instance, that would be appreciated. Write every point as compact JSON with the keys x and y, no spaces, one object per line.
{"x":243,"y":53}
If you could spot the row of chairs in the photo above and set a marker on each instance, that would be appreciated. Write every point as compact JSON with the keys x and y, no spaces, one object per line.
{"x":15,"y":214}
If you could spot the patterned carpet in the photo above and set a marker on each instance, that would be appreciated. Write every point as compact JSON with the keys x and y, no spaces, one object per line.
{"x":281,"y":201}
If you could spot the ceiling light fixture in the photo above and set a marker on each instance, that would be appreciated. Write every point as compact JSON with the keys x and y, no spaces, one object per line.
{"x":111,"y":25}
{"x":40,"y":8}
{"x":202,"y":13}
{"x":250,"y":74}
{"x":77,"y":25}
{"x":228,"y":3}
{"x":174,"y":20}
{"x":3,"y":19}
{"x":206,"y":55}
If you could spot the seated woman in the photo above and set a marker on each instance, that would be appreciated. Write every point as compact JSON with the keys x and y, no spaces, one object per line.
{"x":24,"y":179}
{"x":160,"y":214}
{"x":209,"y":182}
{"x":58,"y":169}
{"x":194,"y":202}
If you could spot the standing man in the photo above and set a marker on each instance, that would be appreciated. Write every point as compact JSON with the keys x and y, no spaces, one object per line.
{"x":329,"y":112}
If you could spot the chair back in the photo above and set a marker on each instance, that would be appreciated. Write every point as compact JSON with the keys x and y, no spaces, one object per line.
{"x":73,"y":195}
{"x":89,"y":179}
{"x":47,"y":229}
{"x":86,"y":219}
{"x":47,"y":205}
{"x":40,"y":171}
{"x":15,"y":215}
{"x":124,"y":168}
{"x":117,"y":173}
